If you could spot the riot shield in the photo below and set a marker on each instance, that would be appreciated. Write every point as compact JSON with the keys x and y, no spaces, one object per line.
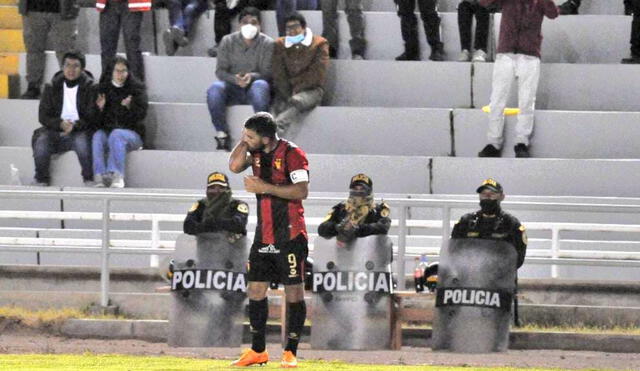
{"x":476,"y":284}
{"x":352,"y":294}
{"x":208,"y":291}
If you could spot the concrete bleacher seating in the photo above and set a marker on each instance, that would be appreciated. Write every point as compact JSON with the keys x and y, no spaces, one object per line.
{"x":587,"y":6}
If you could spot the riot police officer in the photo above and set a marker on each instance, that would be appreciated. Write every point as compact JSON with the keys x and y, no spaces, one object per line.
{"x":491,"y":222}
{"x":219,"y":211}
{"x":359,"y":216}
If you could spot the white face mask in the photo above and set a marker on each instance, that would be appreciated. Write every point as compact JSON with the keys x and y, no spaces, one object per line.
{"x":249,"y":31}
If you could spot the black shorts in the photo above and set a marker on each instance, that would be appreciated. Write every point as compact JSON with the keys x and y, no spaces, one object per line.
{"x":283,"y":263}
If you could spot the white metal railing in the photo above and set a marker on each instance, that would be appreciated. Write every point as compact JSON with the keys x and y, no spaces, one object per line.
{"x":105,"y":246}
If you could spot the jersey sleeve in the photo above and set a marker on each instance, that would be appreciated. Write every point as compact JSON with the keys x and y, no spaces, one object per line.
{"x":298,"y":165}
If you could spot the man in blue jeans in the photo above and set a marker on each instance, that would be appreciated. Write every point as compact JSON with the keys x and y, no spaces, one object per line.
{"x":66,"y":114}
{"x":244,"y":72}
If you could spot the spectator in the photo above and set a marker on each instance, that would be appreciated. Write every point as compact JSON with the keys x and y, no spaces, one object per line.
{"x":244,"y":71}
{"x":66,"y":114}
{"x":57,"y":18}
{"x":466,"y":11}
{"x":225,"y":10}
{"x":300,"y":62}
{"x":218,"y":212}
{"x":518,"y":56}
{"x":409,"y":28}
{"x":633,"y":7}
{"x":355,"y":17}
{"x":359,"y":216}
{"x":182,"y":15}
{"x":284,"y":8}
{"x":117,"y":14}
{"x":122,"y":105}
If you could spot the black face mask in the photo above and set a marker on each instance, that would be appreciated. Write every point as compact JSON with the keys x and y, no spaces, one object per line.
{"x":489,"y":207}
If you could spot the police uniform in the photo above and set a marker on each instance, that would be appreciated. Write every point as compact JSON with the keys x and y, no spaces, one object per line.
{"x":376,"y":222}
{"x":503,"y":226}
{"x":233,"y":218}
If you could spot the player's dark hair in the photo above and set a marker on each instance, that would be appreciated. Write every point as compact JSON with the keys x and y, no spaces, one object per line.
{"x":263,"y":124}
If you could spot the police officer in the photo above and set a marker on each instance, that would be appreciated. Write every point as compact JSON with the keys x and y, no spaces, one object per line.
{"x":359,"y":216}
{"x":490,"y":222}
{"x":218,"y":211}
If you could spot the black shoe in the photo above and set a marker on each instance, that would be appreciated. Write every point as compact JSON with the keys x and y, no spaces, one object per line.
{"x":634,"y":59}
{"x":33,"y":92}
{"x":522,"y":150}
{"x":179,"y":36}
{"x":568,"y":8}
{"x":224,"y":143}
{"x":408,"y":57}
{"x":489,"y":151}
{"x":333,"y":53}
{"x":437,"y":54}
{"x":213,"y":51}
{"x":170,"y":46}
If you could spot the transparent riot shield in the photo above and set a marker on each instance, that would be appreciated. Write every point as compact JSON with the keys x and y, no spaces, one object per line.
{"x":476,"y":284}
{"x":208,"y":291}
{"x":352,"y":288}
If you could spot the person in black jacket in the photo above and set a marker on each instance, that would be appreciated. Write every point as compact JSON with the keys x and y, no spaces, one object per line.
{"x":66,"y":115}
{"x":121,"y":106}
{"x":359,"y":216}
{"x":218,"y":212}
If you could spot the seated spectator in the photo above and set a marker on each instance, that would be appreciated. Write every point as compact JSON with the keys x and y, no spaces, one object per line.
{"x":219,"y":211}
{"x":355,"y":17}
{"x":409,"y":29}
{"x":633,"y":7}
{"x":57,"y":18}
{"x":518,"y":56}
{"x":466,"y":10}
{"x":122,"y":105}
{"x":225,"y":10}
{"x":244,"y":71}
{"x":359,"y":216}
{"x":126,"y":15}
{"x":300,"y":62}
{"x":66,"y":114}
{"x":182,"y":15}
{"x":284,"y":8}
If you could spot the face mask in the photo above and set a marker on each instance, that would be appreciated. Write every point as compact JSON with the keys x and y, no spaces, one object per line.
{"x":295,"y":39}
{"x":249,"y":31}
{"x":489,"y":207}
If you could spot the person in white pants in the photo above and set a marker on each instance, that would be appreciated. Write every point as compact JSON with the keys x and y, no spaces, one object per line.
{"x":518,"y":56}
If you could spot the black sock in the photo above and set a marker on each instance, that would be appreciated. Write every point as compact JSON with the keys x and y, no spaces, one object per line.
{"x":296,"y":314}
{"x":258,"y":313}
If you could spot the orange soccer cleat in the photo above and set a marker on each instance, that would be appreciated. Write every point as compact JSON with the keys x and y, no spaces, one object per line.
{"x":250,"y":357}
{"x":288,"y":360}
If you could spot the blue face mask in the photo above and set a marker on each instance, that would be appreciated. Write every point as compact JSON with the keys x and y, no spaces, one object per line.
{"x":295,"y":39}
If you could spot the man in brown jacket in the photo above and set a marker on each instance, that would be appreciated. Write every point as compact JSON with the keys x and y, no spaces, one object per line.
{"x":300,"y":62}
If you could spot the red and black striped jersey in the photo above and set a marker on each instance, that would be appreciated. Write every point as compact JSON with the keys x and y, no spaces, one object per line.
{"x":280,"y":220}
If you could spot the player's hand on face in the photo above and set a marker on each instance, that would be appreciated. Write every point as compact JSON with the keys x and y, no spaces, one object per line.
{"x":253,"y":184}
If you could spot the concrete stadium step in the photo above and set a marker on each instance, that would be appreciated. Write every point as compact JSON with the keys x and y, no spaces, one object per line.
{"x":8,"y":2}
{"x":10,"y":18}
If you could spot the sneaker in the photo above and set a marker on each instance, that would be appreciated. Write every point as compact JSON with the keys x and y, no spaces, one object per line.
{"x":250,"y":357}
{"x":634,"y":59}
{"x":89,"y":183}
{"x":479,"y":56}
{"x":464,"y":56}
{"x":170,"y":46}
{"x":37,"y":183}
{"x":98,"y":181}
{"x":213,"y":51}
{"x":522,"y":150}
{"x":224,"y":143}
{"x":33,"y":92}
{"x":117,"y":182}
{"x":489,"y":151}
{"x":178,"y":36}
{"x":357,"y":57}
{"x":288,"y":360}
{"x":408,"y":57}
{"x":437,"y":54}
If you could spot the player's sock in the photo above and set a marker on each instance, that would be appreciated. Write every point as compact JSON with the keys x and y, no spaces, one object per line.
{"x":296,"y":314}
{"x":258,"y":313}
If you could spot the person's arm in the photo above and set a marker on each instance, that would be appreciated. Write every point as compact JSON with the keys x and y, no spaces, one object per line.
{"x":550,"y":9}
{"x":381,"y":226}
{"x":223,"y":63}
{"x":315,"y":74}
{"x":281,"y":84}
{"x":237,"y":223}
{"x":297,"y":191}
{"x":520,"y":240}
{"x":327,"y":228}
{"x":264,"y":64}
{"x":240,"y":158}
{"x":88,"y":112}
{"x":192,"y":224}
{"x":459,"y":228}
{"x":137,"y":110}
{"x":48,"y":115}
